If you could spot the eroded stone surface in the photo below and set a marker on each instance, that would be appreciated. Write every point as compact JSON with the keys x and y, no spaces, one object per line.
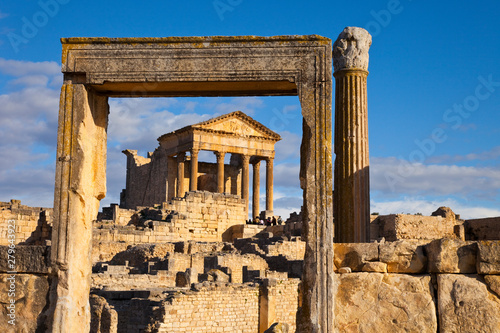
{"x":451,"y":256}
{"x":403,"y":257}
{"x":350,"y":50}
{"x":466,"y":305}
{"x":354,"y":255}
{"x":104,"y":319}
{"x":376,"y":302}
{"x":488,"y":257}
{"x":30,"y":299}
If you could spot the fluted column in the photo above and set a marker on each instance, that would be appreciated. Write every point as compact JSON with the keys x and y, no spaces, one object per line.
{"x":269,"y":185}
{"x":245,"y":180}
{"x":220,"y":170}
{"x":180,"y":174}
{"x":256,"y":189}
{"x":352,"y":178}
{"x":193,"y":182}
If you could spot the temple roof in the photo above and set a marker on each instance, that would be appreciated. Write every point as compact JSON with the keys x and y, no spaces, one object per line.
{"x":235,"y":123}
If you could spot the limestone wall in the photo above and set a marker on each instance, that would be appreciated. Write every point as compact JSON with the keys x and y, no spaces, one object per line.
{"x":200,"y":216}
{"x":32,"y":225}
{"x":28,"y":288}
{"x":213,"y":309}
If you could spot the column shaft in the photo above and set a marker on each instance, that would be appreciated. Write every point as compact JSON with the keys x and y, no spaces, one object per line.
{"x":180,"y":174}
{"x":352,"y":191}
{"x":220,"y":171}
{"x":256,"y":189}
{"x":269,"y":185}
{"x":193,"y":182}
{"x":245,"y":181}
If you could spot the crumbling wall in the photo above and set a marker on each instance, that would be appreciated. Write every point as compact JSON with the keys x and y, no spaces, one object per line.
{"x":146,"y":182}
{"x":200,"y":216}
{"x":24,"y":224}
{"x":446,"y":285}
{"x":23,"y":293}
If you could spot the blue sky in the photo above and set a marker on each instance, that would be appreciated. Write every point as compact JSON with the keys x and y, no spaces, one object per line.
{"x":433,"y":93}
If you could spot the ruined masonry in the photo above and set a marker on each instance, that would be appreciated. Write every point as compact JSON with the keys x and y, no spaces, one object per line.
{"x":169,"y":173}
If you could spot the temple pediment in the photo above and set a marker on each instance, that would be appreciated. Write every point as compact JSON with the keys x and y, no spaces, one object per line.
{"x":237,"y":123}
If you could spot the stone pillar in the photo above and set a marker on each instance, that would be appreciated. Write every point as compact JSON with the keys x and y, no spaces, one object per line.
{"x":245,"y":181}
{"x":256,"y":189}
{"x":193,"y":182}
{"x":220,"y":170}
{"x":180,"y":174}
{"x":171,"y":177}
{"x":269,"y":186}
{"x":352,"y":182}
{"x":80,"y":185}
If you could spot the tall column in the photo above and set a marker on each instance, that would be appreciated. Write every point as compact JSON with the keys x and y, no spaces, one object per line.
{"x":180,"y":174}
{"x":269,"y":185}
{"x":220,"y":170}
{"x":245,"y":181}
{"x":193,"y":182}
{"x":256,"y":189}
{"x":352,"y":179}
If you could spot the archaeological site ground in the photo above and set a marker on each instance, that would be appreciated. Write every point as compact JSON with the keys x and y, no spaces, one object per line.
{"x":183,"y":252}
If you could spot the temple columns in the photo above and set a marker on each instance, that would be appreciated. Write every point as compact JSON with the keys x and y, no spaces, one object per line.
{"x":180,"y":174}
{"x":269,"y":185}
{"x":245,"y":180}
{"x":220,"y":171}
{"x":256,"y":189}
{"x":352,"y":182}
{"x":193,"y":182}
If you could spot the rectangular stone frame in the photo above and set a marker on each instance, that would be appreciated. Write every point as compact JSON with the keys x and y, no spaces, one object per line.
{"x":97,"y":68}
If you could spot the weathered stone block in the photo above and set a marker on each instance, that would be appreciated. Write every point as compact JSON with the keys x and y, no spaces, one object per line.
{"x":355,"y":255}
{"x":28,"y":259}
{"x":31,"y":294}
{"x":403,"y":257}
{"x":451,"y":256}
{"x":466,"y":305}
{"x":376,"y":302}
{"x":488,"y":257}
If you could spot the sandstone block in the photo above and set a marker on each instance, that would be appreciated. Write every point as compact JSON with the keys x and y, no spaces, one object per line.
{"x":403,"y":257}
{"x":375,"y":266}
{"x":28,"y":259}
{"x":354,"y":255}
{"x":104,"y":319}
{"x":30,"y":299}
{"x":376,"y":302}
{"x":451,"y":256}
{"x":488,"y":257}
{"x":466,"y":305}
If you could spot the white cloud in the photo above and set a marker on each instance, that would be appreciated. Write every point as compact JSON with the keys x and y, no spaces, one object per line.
{"x":24,"y":68}
{"x":395,"y":176}
{"x":489,"y":155}
{"x":246,"y":104}
{"x":288,"y":147}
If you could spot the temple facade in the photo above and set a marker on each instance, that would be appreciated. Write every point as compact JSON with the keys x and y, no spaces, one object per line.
{"x":173,"y":168}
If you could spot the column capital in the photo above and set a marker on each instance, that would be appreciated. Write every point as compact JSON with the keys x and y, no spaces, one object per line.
{"x":350,"y":50}
{"x":181,"y":156}
{"x":220,"y":154}
{"x":194,"y":151}
{"x":245,"y":158}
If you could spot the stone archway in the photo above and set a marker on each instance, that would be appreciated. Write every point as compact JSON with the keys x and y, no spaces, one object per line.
{"x":97,"y":68}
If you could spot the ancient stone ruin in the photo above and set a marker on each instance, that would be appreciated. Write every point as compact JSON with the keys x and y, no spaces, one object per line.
{"x":167,"y":260}
{"x":162,"y":175}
